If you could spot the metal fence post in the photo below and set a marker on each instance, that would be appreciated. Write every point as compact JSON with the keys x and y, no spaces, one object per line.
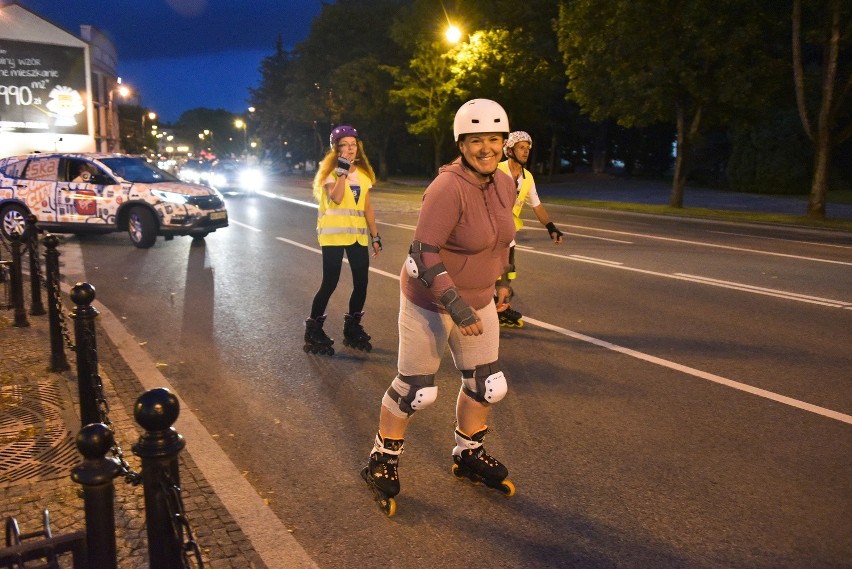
{"x":58,"y":361}
{"x":17,"y":283}
{"x":36,"y":306}
{"x":96,"y":475}
{"x":156,"y":411}
{"x":83,"y":294}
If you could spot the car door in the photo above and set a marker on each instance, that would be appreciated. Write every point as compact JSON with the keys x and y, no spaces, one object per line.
{"x":82,"y":193}
{"x":37,"y":187}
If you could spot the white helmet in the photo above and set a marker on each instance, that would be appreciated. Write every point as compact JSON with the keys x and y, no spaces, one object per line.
{"x":480,"y":115}
{"x":514,"y":138}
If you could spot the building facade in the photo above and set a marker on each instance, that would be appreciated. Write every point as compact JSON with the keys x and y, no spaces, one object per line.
{"x":58,"y":92}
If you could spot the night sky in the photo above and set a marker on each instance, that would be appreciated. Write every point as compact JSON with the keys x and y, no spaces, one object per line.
{"x":184,"y":54}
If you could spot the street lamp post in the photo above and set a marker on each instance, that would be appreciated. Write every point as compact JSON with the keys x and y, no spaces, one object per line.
{"x":111,"y":126}
{"x":150,"y":116}
{"x":240,"y":123}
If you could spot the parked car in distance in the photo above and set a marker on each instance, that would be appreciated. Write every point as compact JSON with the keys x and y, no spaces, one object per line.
{"x":230,"y":176}
{"x":102,"y":193}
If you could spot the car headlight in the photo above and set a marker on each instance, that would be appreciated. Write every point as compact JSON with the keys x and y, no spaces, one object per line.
{"x":252,"y":178}
{"x":170,"y":197}
{"x":217,"y":179}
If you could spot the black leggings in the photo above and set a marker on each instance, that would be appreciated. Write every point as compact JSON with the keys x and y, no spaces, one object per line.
{"x":332,"y":263}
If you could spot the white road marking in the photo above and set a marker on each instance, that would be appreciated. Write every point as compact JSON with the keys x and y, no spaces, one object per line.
{"x":705,"y":280}
{"x":246,"y":225}
{"x":534,"y":228}
{"x":655,"y":360}
{"x":771,"y":395}
{"x":718,"y":246}
{"x":767,"y":291}
{"x":783,"y":239}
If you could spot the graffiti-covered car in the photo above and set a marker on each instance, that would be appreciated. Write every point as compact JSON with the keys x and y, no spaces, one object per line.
{"x":101,"y":193}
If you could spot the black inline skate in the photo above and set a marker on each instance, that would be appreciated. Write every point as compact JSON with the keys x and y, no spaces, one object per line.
{"x":472,"y":462}
{"x":510,"y":318}
{"x":382,"y":475}
{"x":316,"y":340}
{"x":354,"y":335}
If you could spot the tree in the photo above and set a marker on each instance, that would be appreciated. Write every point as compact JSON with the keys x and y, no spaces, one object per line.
{"x":694,"y":63}
{"x":427,"y":88}
{"x":831,"y":31}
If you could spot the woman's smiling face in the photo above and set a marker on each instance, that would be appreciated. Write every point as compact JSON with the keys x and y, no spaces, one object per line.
{"x":347,"y":147}
{"x":482,"y":150}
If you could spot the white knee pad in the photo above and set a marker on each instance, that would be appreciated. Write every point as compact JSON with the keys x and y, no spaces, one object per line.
{"x":486,"y":383}
{"x":410,"y":393}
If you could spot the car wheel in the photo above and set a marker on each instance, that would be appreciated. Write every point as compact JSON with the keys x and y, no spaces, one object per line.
{"x":142,"y":227}
{"x":14,"y":221}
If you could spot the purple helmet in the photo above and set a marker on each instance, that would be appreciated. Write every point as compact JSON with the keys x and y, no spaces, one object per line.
{"x":339,"y":132}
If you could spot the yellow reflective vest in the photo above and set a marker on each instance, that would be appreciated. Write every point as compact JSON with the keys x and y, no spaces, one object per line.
{"x":523,"y":191}
{"x":344,"y":223}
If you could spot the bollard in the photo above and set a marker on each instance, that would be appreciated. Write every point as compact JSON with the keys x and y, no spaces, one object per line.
{"x":156,"y":411}
{"x":17,"y":282}
{"x":58,"y":361}
{"x":96,"y":475}
{"x":31,"y":232}
{"x":83,"y":294}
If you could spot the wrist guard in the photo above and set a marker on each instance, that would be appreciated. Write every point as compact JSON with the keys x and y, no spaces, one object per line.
{"x":376,"y":239}
{"x":342,"y":166}
{"x":460,"y":311}
{"x":551,"y":229}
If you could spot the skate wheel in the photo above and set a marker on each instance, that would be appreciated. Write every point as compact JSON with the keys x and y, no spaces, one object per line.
{"x":507,"y":488}
{"x":307,"y":348}
{"x":520,"y":324}
{"x":390,"y":508}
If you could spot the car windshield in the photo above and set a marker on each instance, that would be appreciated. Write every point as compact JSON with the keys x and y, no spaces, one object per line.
{"x":133,"y":169}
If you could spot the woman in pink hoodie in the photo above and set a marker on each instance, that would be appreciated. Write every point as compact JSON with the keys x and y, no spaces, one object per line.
{"x":460,"y":249}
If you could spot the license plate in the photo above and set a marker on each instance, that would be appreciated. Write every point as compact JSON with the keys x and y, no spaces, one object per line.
{"x":219,"y":215}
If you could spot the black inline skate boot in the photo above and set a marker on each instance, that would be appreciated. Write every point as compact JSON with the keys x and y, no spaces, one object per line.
{"x":316,"y":340}
{"x":472,"y":462}
{"x":511,"y":318}
{"x":381,"y":473}
{"x":354,"y":335}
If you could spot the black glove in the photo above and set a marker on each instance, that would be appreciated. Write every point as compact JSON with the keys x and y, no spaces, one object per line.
{"x":342,"y":166}
{"x":551,"y":229}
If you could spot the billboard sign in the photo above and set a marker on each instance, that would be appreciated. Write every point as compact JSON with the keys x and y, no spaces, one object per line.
{"x":42,"y":88}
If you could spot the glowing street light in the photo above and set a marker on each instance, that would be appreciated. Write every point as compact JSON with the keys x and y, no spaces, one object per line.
{"x":240,"y":123}
{"x":453,"y":34}
{"x":111,"y":123}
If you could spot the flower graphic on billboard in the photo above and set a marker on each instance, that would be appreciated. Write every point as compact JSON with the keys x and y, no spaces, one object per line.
{"x":65,"y":103}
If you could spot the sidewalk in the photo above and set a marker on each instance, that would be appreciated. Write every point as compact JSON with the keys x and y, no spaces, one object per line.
{"x":39,"y":418}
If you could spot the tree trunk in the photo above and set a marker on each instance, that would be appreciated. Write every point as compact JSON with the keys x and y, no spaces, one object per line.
{"x":599,"y":153}
{"x":554,"y":156}
{"x":437,"y":156}
{"x":679,"y":179}
{"x":819,"y":183}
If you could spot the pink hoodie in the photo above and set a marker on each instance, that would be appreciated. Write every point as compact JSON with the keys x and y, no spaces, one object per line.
{"x":472,"y":224}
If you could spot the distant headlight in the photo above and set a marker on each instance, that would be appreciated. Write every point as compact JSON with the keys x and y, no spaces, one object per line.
{"x":171,"y":197}
{"x":217,"y":179}
{"x":252,"y":178}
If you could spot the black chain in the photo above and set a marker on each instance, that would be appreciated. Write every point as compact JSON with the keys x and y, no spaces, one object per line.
{"x":60,"y":311}
{"x":130,"y":476}
{"x":180,"y":524}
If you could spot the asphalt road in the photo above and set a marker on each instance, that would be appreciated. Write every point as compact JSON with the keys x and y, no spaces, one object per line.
{"x":679,"y":397}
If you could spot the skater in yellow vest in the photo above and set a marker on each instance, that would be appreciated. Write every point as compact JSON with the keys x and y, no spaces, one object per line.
{"x":346,"y":223}
{"x":517,"y":149}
